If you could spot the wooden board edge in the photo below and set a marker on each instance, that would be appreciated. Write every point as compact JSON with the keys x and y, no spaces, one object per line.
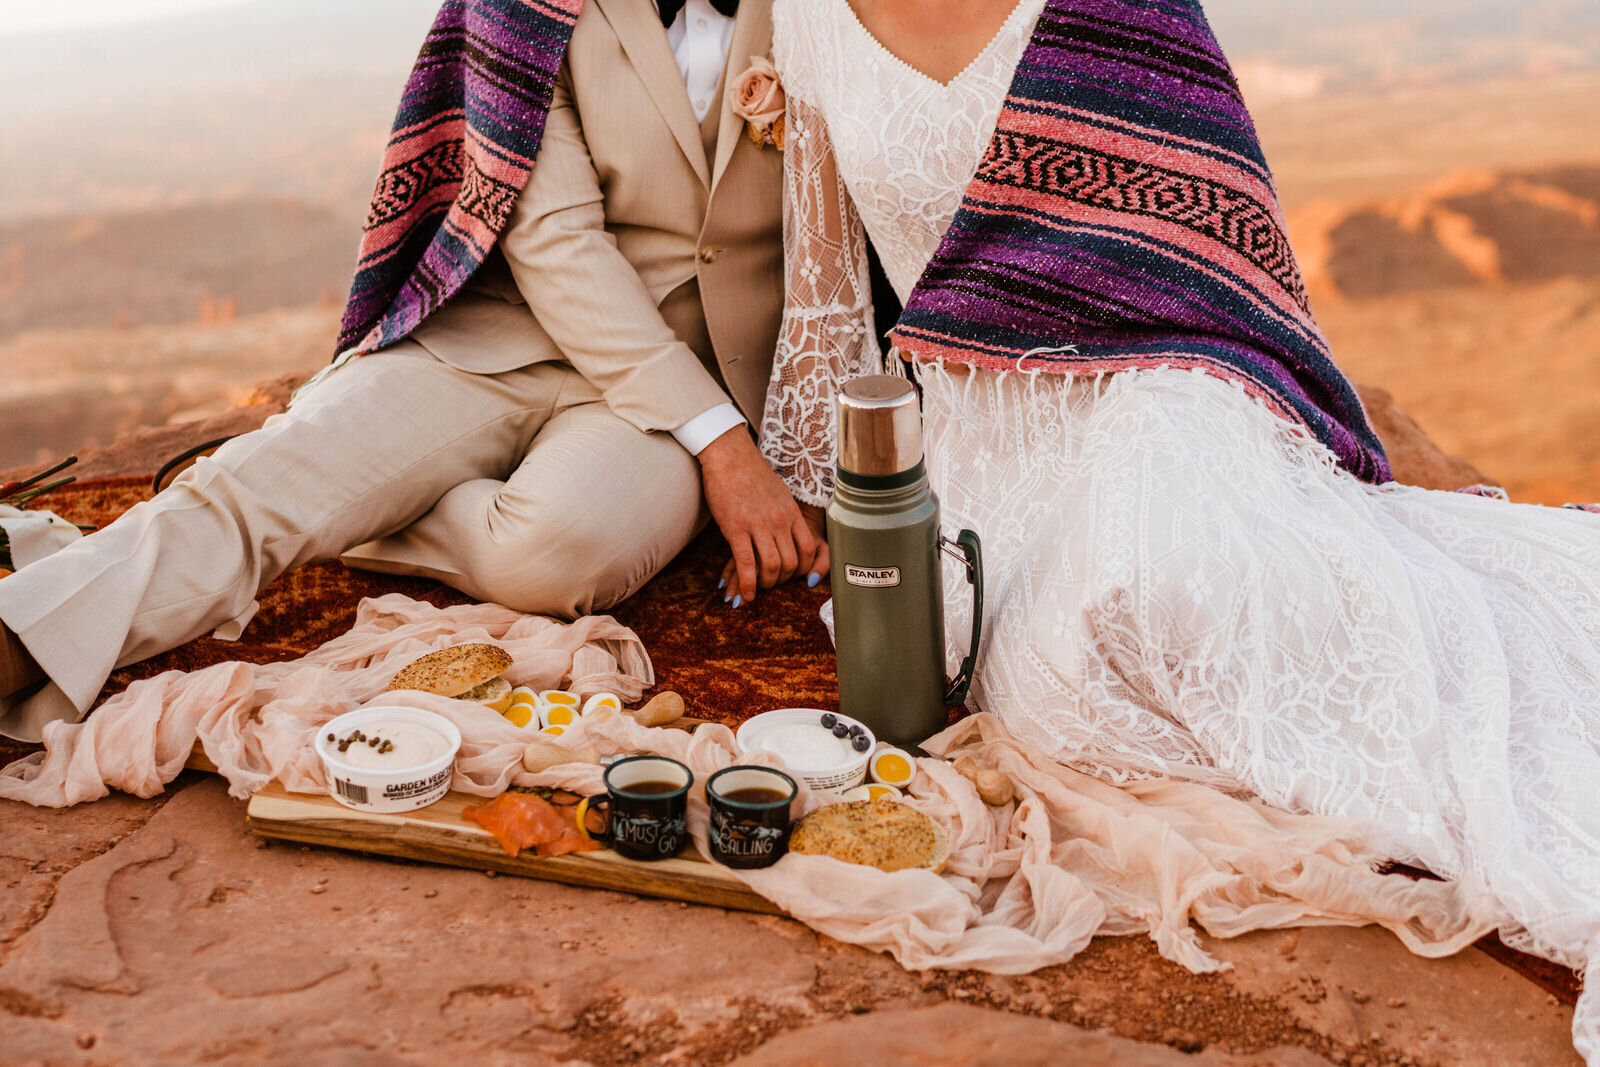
{"x":393,"y":836}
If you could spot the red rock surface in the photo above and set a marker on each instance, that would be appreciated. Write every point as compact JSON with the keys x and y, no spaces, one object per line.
{"x":955,"y":1033}
{"x":145,"y":451}
{"x":1415,"y":459}
{"x":151,"y":932}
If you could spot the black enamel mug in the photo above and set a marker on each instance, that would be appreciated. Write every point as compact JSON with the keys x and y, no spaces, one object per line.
{"x":645,"y":808}
{"x":750,"y":818}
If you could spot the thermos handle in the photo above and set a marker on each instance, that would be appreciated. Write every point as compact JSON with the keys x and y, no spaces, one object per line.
{"x":972,"y":552}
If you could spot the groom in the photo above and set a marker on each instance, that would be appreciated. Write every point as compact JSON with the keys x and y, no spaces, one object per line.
{"x":548,"y":439}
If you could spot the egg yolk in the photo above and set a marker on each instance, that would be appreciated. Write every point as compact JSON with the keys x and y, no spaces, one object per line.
{"x":520,"y":714}
{"x":891,"y":768}
{"x":560,"y":716}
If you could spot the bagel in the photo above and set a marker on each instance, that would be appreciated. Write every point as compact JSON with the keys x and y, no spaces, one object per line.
{"x":880,"y":833}
{"x":464,"y":672}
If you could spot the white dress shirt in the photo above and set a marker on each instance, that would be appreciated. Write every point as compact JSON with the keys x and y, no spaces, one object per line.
{"x":700,"y":37}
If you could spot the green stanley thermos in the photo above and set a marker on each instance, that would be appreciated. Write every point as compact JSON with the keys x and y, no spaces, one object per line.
{"x":888,"y":595}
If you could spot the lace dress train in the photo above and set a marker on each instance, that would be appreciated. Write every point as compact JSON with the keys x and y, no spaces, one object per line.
{"x":1181,"y":583}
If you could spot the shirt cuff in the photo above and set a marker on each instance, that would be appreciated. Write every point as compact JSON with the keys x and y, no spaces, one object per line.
{"x":706,"y":427}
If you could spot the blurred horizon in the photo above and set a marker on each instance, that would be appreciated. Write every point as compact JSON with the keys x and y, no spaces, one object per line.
{"x":19,"y":19}
{"x":144,"y":44}
{"x":218,"y":99}
{"x":182,"y":184}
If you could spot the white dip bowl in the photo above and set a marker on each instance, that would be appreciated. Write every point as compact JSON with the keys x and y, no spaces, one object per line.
{"x":407,"y":785}
{"x":766,"y":733}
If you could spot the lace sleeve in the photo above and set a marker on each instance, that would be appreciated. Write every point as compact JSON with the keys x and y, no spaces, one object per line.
{"x":828,"y":335}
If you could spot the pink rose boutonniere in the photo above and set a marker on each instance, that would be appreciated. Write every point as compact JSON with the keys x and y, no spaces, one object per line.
{"x":757,"y":97}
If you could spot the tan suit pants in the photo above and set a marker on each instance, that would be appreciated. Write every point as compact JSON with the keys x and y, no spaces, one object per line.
{"x":519,"y":488}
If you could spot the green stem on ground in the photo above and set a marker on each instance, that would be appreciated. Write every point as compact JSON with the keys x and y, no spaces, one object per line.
{"x":42,"y":475}
{"x":22,"y":498}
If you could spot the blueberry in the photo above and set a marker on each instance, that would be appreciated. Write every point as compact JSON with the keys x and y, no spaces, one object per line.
{"x":856,"y":731}
{"x":860,"y":742}
{"x":841,"y":730}
{"x":829,"y":719}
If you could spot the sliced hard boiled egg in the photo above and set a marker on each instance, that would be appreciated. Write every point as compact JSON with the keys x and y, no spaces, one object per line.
{"x":871,"y":791}
{"x":523,"y":695}
{"x":558,"y":715}
{"x":521,"y":714}
{"x":891,"y":766}
{"x":602,"y":700}
{"x":560,"y":698}
{"x":554,"y":730}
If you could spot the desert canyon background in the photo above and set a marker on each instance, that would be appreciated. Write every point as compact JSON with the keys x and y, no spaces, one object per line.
{"x":181,"y":198}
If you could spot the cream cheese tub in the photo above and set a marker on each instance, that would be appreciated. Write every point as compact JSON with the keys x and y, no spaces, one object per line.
{"x":388,"y":759}
{"x":808,"y":749}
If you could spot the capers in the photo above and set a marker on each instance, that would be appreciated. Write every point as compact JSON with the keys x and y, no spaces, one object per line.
{"x":381,"y":745}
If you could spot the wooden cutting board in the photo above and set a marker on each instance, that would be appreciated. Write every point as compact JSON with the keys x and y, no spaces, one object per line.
{"x":440,"y":834}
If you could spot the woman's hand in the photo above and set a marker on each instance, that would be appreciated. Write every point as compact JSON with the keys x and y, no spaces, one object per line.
{"x":817,"y":522}
{"x":815,"y":569}
{"x":771,"y":539}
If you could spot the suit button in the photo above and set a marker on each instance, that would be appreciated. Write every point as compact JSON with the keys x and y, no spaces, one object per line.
{"x":709,"y":255}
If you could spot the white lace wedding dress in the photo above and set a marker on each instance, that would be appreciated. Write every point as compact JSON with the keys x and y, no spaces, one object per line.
{"x":1181,"y":583}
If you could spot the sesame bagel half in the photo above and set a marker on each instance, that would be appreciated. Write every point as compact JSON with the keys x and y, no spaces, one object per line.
{"x":466,"y":672}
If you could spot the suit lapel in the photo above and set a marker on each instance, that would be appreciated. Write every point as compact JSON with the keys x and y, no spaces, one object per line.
{"x":638,"y":28}
{"x":752,"y":36}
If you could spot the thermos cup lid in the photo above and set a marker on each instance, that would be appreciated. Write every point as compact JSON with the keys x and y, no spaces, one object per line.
{"x":880,"y":426}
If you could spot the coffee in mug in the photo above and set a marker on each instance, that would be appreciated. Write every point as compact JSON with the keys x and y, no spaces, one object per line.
{"x":749,"y":815}
{"x":647,"y":807}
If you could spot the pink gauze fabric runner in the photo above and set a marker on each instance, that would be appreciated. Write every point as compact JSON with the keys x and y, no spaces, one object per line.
{"x":256,"y":722}
{"x":1028,"y":884}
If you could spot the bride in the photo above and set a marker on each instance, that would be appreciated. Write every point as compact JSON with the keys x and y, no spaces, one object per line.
{"x":1198,"y":565}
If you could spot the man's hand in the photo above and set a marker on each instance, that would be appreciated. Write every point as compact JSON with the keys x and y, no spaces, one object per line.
{"x":817,"y":520}
{"x":771,"y":540}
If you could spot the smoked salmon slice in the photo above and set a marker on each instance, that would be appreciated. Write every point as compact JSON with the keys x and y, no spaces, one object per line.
{"x":523,"y":821}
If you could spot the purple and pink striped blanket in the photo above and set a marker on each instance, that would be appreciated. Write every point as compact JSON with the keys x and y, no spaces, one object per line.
{"x":464,"y":142}
{"x":1124,"y":217}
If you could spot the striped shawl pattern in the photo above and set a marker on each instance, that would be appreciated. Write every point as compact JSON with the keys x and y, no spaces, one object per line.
{"x":1124,"y":217}
{"x":464,"y":142}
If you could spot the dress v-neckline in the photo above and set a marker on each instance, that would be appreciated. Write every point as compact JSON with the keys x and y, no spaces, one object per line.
{"x":929,"y":78}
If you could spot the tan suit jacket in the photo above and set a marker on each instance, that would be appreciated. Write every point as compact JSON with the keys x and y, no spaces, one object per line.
{"x":491,"y":463}
{"x":644,"y":256}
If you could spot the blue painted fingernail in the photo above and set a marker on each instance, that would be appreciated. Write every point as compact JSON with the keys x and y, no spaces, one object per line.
{"x":738,"y":600}
{"x":812,"y":579}
{"x":722,"y":582}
